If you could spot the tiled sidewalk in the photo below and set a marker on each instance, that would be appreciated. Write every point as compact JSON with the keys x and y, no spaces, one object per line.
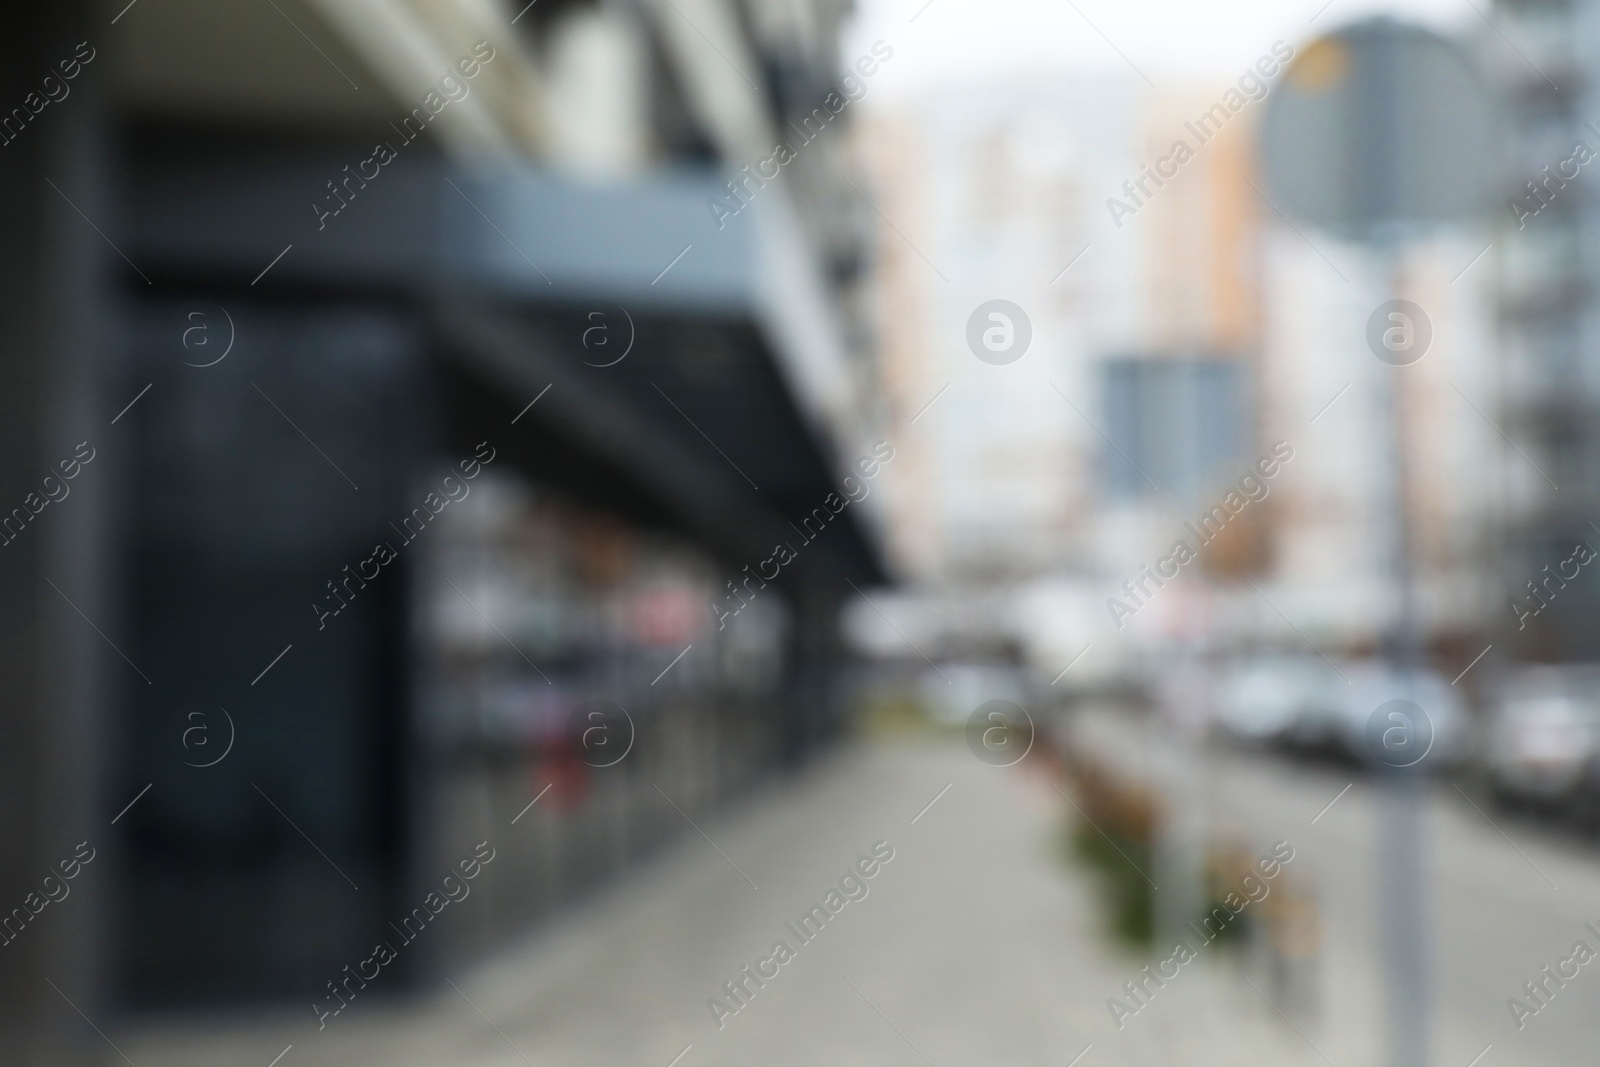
{"x":974,"y":945}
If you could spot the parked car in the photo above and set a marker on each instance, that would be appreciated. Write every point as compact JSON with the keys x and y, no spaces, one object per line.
{"x":953,"y":691}
{"x":1280,"y":700}
{"x":1544,"y":738}
{"x":1445,"y":734}
{"x":1307,"y":704}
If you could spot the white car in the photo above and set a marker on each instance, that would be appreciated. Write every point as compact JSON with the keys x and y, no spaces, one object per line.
{"x":1545,"y":733}
{"x":1402,"y":719}
{"x":954,"y":691}
{"x":1280,"y":699}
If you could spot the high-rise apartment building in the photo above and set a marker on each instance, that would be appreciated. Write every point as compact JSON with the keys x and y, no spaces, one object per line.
{"x":1549,"y":322}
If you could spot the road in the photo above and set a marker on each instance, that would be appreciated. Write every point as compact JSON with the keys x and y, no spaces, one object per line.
{"x":977,"y":943}
{"x":1506,"y":896}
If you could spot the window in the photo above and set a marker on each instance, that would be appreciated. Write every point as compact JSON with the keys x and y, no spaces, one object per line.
{"x":1183,"y":424}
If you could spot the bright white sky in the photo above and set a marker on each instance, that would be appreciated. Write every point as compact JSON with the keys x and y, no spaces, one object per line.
{"x":1182,"y":40}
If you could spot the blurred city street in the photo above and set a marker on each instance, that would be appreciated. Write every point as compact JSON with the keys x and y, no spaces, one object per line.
{"x":685,"y":533}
